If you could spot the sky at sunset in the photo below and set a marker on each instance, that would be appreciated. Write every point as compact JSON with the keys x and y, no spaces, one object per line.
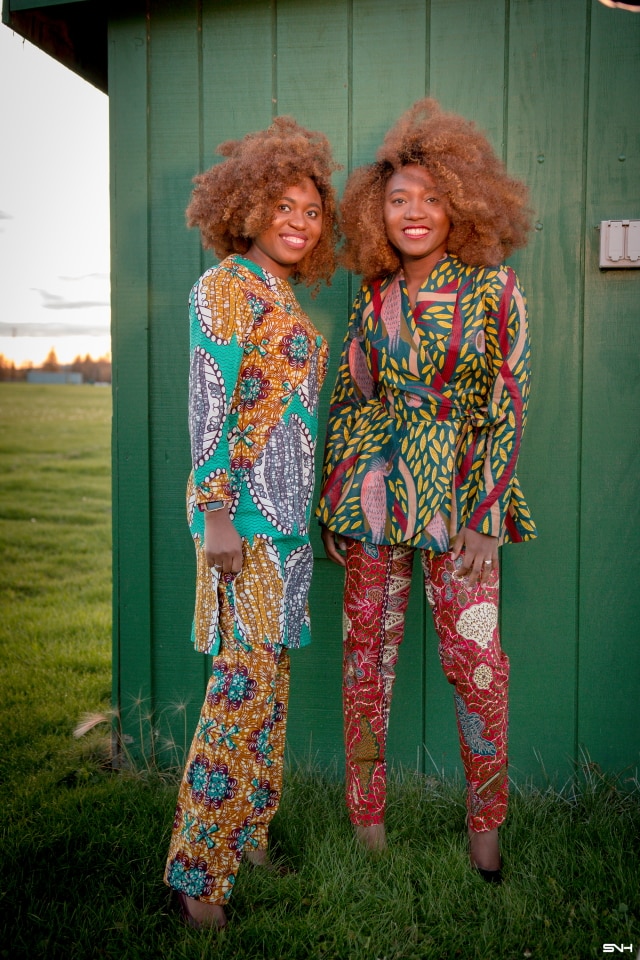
{"x":54,"y":208}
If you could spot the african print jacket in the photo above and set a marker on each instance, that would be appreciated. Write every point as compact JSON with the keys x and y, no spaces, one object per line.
{"x":257,"y":365}
{"x":428,"y":411}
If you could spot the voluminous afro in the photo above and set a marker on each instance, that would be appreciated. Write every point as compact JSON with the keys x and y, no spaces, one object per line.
{"x":488,"y":209}
{"x":233,"y":202}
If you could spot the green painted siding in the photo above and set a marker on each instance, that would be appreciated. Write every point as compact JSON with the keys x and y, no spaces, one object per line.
{"x":550,"y":83}
{"x":132,"y":615}
{"x":609,"y":605}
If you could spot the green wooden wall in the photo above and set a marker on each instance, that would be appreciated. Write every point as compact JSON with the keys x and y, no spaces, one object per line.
{"x":553,"y":85}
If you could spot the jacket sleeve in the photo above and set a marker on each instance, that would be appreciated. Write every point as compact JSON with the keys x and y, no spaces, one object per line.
{"x":220,"y":320}
{"x":501,"y":424}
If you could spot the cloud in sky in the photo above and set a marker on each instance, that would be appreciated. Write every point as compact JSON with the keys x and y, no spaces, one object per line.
{"x":53,"y":330}
{"x":87,"y":276}
{"x":53,"y":301}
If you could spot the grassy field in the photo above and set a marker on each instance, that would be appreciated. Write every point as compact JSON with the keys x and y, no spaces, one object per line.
{"x":82,"y":848}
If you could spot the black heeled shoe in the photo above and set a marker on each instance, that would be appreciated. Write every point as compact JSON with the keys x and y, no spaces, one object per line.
{"x":491,"y":876}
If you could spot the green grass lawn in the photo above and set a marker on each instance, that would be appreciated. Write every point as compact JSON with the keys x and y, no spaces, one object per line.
{"x":82,"y":848}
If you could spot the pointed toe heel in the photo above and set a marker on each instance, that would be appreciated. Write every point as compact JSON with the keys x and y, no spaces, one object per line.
{"x":490,"y":876}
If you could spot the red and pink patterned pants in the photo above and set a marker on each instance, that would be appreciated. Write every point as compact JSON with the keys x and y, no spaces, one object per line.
{"x":377,"y":584}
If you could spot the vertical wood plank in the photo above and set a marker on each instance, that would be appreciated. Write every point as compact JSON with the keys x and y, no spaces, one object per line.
{"x":174,"y":157}
{"x":609,"y":667}
{"x":311,"y":57}
{"x":235,"y":100}
{"x":545,"y":144}
{"x":475,"y":43}
{"x":389,"y":72}
{"x":311,"y":84}
{"x":129,"y":299}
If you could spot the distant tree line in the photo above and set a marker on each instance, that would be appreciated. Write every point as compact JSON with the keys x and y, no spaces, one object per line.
{"x":93,"y":371}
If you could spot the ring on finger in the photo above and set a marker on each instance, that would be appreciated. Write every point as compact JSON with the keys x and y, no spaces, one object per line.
{"x":487,"y":561}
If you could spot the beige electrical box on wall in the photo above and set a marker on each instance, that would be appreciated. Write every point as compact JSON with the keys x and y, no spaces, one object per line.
{"x":619,"y":243}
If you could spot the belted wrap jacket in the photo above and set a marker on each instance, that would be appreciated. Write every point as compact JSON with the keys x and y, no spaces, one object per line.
{"x":428,"y":411}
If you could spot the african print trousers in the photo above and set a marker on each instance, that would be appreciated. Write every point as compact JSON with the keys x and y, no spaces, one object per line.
{"x":377,"y":584}
{"x":232,"y":781}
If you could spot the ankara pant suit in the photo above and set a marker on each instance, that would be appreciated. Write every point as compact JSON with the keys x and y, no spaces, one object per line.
{"x":257,"y":365}
{"x":424,"y":432}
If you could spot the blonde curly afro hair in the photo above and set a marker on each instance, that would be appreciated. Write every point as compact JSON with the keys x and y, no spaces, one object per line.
{"x":233,"y":202}
{"x":488,"y":209}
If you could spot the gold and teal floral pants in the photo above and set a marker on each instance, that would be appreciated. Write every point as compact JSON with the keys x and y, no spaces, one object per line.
{"x":232,"y":781}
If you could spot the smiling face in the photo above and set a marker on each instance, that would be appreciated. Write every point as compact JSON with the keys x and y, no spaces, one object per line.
{"x":415,"y":218}
{"x":294,"y":231}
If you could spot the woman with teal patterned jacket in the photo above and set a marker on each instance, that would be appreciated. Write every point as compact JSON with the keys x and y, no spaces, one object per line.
{"x":268,"y":211}
{"x":424,"y":431}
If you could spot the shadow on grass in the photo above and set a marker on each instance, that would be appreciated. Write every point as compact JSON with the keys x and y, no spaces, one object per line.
{"x":83,"y":856}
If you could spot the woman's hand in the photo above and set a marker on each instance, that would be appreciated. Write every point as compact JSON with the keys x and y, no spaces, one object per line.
{"x":480,"y":557}
{"x":334,"y":546}
{"x":222,"y":543}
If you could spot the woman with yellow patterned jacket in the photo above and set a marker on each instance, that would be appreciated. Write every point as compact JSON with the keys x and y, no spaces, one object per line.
{"x":424,"y":431}
{"x":257,"y":365}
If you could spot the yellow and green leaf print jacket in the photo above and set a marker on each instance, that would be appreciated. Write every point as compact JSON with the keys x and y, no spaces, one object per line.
{"x":428,"y":411}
